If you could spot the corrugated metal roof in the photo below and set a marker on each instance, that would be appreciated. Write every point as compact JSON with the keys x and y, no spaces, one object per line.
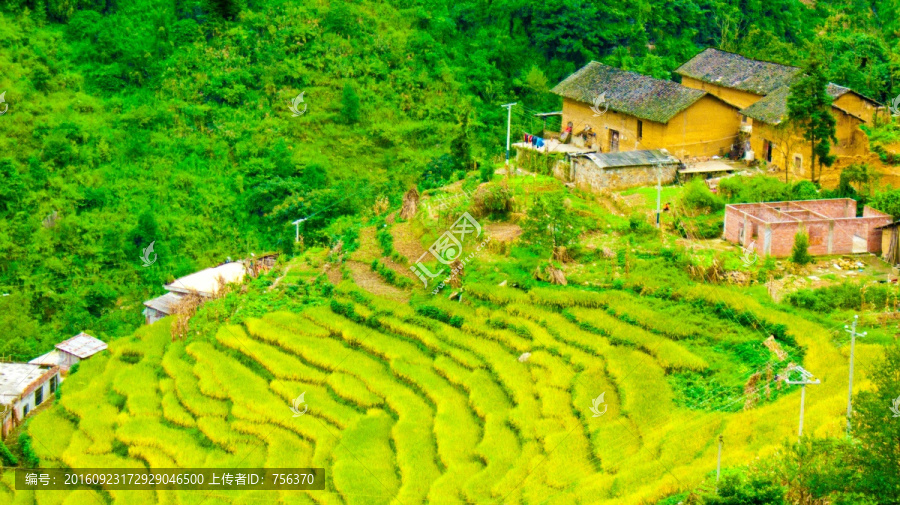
{"x":628,"y":92}
{"x":632,"y":158}
{"x":82,"y":345}
{"x":208,"y":282}
{"x":165,"y":303}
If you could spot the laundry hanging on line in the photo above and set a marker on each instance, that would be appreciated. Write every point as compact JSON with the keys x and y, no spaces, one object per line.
{"x":533,"y":140}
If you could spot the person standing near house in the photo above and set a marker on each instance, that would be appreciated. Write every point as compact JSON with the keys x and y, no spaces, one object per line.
{"x":566,"y":136}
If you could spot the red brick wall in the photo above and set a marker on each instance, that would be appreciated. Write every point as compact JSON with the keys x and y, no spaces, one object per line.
{"x":782,"y":239}
{"x":734,"y":218}
{"x":783,"y":229}
{"x":838,"y":207}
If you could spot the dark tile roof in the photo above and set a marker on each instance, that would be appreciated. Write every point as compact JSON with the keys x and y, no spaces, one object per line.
{"x":772,"y":108}
{"x":735,"y":71}
{"x":628,"y":92}
{"x":624,"y":159}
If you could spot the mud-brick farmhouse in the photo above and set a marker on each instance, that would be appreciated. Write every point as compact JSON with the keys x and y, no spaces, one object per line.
{"x":641,"y":113}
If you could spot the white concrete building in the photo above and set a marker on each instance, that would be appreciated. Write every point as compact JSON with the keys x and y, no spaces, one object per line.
{"x":207,"y":283}
{"x":71,"y":351}
{"x":24,"y":386}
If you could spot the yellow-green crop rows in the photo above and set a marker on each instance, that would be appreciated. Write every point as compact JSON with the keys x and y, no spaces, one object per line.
{"x":400,"y":407}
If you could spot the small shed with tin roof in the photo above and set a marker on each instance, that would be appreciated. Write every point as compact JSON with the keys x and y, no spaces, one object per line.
{"x":161,"y":306}
{"x":71,"y":351}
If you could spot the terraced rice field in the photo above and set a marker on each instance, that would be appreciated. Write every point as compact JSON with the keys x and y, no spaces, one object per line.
{"x":406,"y":409}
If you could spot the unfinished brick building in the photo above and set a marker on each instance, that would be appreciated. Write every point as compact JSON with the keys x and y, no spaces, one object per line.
{"x":832,"y":225}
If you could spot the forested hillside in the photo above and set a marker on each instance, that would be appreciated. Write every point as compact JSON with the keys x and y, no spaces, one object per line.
{"x":168,"y":122}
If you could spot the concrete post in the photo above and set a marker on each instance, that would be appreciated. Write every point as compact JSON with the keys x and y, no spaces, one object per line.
{"x":830,"y":236}
{"x":853,"y":335}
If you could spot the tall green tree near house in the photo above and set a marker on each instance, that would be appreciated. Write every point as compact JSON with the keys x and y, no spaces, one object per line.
{"x":551,"y":223}
{"x":785,"y":137}
{"x":809,"y":107}
{"x":461,"y":145}
{"x":800,"y":252}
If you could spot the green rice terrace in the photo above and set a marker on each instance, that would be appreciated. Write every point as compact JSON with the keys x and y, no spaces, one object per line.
{"x":612,"y":389}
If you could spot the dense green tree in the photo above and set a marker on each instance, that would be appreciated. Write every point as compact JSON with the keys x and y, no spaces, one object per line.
{"x":698,"y":199}
{"x":804,"y":190}
{"x":180,"y":108}
{"x":146,"y":230}
{"x":800,"y":251}
{"x":22,"y":337}
{"x":461,"y":145}
{"x":887,"y":201}
{"x":439,"y":172}
{"x":739,"y":488}
{"x":876,"y":413}
{"x":809,"y":108}
{"x":858,"y":178}
{"x":550,"y":223}
{"x":815,"y":470}
{"x":349,"y":105}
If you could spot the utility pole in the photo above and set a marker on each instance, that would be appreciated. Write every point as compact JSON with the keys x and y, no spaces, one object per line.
{"x":803,"y":382}
{"x":853,"y":336}
{"x":719,"y":464}
{"x":297,"y":224}
{"x":509,"y":107}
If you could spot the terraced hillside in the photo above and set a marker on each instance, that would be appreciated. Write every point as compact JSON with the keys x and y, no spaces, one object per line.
{"x":431,"y":403}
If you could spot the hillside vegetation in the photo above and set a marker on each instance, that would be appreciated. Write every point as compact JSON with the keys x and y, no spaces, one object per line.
{"x":168,"y":122}
{"x":404,"y":407}
{"x":436,"y":401}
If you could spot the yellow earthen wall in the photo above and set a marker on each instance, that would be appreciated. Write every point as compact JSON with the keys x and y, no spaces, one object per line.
{"x":738,"y":98}
{"x":706,"y":128}
{"x":857,"y":106}
{"x":852,"y":142}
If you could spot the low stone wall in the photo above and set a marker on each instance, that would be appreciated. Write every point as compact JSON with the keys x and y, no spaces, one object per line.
{"x":588,"y":176}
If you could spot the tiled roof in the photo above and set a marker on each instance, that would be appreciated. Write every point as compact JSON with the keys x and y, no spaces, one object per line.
{"x":772,"y":108}
{"x":82,"y":345}
{"x":628,"y":92}
{"x":735,"y":71}
{"x":624,"y":159}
